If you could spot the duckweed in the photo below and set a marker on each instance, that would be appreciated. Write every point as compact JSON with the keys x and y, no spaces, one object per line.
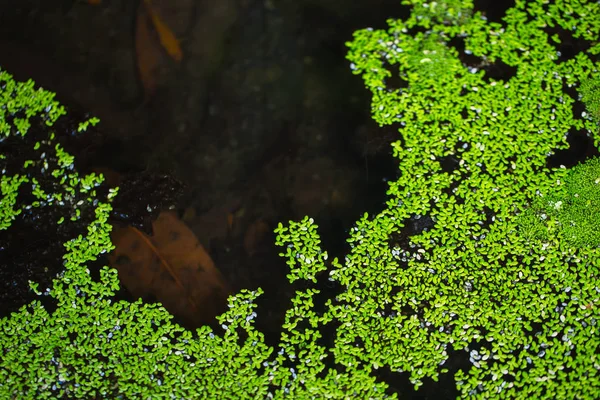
{"x":515,"y":293}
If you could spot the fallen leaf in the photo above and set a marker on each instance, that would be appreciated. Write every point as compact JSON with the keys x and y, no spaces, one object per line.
{"x":148,"y":54}
{"x":171,"y":266}
{"x":166,"y":36}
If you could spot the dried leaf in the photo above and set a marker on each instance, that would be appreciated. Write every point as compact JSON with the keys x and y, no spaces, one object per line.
{"x":166,"y":36}
{"x":148,"y":53}
{"x":173,"y":267}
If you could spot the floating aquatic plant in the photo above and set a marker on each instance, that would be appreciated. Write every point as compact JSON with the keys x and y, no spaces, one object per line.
{"x":521,"y":309}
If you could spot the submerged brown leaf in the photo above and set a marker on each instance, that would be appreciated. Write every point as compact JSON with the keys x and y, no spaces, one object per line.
{"x":148,"y":55}
{"x":171,"y":266}
{"x":155,"y":45}
{"x":166,"y":36}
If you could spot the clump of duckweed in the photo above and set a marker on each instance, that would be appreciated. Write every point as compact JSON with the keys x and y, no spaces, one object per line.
{"x":525,"y":312}
{"x":590,"y":95}
{"x":570,"y":211}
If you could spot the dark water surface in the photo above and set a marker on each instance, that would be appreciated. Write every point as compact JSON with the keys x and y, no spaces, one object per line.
{"x":260,"y":121}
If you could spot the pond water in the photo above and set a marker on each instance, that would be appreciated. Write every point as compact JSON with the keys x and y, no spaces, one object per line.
{"x":257,"y":120}
{"x":260,"y":120}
